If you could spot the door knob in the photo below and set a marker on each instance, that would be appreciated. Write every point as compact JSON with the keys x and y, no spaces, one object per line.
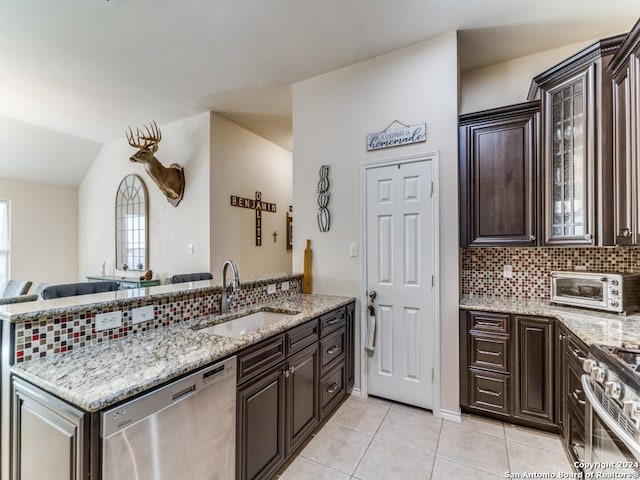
{"x":372,"y":295}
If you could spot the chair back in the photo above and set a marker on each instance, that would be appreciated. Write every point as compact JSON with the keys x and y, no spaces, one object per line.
{"x":15,"y":288}
{"x":72,"y":289}
{"x":190,"y":277}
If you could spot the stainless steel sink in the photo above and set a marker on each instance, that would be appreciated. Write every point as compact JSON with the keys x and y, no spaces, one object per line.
{"x":247,"y":323}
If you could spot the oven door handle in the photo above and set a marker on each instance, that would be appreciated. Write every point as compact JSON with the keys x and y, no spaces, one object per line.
{"x":628,"y":440}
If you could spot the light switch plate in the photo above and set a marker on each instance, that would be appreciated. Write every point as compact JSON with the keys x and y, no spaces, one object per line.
{"x":271,"y":288}
{"x":353,"y":249}
{"x":107,"y":321}
{"x":284,"y":286}
{"x":507,"y":271}
{"x":190,"y":249}
{"x":142,"y":314}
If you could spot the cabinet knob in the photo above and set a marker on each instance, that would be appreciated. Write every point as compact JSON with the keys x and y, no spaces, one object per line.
{"x":626,"y":232}
{"x":588,"y":236}
{"x":532,"y":238}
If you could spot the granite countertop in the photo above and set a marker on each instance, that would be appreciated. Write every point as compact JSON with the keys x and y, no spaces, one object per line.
{"x":95,"y":377}
{"x":591,"y":326}
{"x":18,"y":312}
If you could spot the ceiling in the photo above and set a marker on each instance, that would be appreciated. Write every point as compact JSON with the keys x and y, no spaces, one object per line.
{"x":76,"y":73}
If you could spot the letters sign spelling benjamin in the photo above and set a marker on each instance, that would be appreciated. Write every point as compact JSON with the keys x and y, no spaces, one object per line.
{"x":397,"y":137}
{"x":259,"y":206}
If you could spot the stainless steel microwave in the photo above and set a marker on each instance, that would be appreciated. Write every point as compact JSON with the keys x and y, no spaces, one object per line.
{"x":613,"y":292}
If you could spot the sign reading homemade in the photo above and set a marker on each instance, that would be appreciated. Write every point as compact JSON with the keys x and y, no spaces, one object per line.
{"x":397,"y":137}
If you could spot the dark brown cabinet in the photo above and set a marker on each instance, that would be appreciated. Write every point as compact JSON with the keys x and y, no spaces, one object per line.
{"x":48,"y":436}
{"x":534,"y":368}
{"x":302,"y":384}
{"x":260,"y":430}
{"x":577,"y":147}
{"x":507,"y":367}
{"x":485,"y":346}
{"x":625,"y":68}
{"x":571,"y":354}
{"x":498,"y":171}
{"x":286,"y":385}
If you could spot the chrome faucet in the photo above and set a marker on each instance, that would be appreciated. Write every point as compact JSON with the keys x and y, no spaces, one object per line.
{"x":228,"y":290}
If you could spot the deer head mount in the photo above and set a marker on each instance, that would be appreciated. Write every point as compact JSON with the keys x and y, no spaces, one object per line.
{"x":170,"y":179}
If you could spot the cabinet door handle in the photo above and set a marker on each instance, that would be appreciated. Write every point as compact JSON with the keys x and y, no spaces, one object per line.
{"x":488,"y":324}
{"x":577,"y":398}
{"x":486,"y":352}
{"x":334,"y":320}
{"x":561,"y":337}
{"x":286,"y":373}
{"x":576,"y":353}
{"x":333,"y":387}
{"x":333,"y":349}
{"x":292,"y":369}
{"x":489,"y":392}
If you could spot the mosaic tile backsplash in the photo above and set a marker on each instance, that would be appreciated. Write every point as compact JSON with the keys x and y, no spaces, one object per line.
{"x":481,"y":268}
{"x":60,"y":333}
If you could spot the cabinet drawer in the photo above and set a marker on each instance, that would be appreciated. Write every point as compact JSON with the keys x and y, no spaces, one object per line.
{"x":332,"y":348}
{"x":489,"y":391}
{"x":260,"y":358}
{"x":575,"y":394}
{"x":302,"y":336}
{"x":489,"y":352}
{"x":332,"y":389}
{"x":490,"y":322}
{"x":332,"y":321}
{"x":576,"y":350}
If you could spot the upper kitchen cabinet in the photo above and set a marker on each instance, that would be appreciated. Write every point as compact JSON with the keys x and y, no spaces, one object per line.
{"x":625,"y":68}
{"x":498,"y":155}
{"x":577,"y":146}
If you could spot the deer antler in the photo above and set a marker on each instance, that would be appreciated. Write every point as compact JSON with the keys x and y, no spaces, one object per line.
{"x":147,"y":139}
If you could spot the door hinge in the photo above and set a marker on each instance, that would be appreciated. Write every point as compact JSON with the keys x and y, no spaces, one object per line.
{"x":432,"y":187}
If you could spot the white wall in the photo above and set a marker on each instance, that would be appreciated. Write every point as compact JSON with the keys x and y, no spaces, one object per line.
{"x":332,"y":115}
{"x":241,"y":164}
{"x":508,"y":82}
{"x":44,"y":231}
{"x":185,"y":142}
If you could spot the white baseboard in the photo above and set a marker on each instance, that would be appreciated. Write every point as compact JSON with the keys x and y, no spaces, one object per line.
{"x":451,"y":415}
{"x":356,"y":392}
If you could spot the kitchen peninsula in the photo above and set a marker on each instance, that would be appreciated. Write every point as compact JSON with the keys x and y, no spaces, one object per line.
{"x":69,"y":372}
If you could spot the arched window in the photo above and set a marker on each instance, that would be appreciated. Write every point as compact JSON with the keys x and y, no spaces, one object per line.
{"x":132,"y":224}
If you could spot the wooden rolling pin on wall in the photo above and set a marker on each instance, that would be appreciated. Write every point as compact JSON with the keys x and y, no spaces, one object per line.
{"x":306,"y":276}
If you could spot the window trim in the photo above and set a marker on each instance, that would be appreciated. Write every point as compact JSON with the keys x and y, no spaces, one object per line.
{"x":7,"y":250}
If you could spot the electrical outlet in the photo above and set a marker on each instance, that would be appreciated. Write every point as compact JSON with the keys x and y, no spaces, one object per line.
{"x":107,"y":321}
{"x":142,"y":314}
{"x":580,"y":267}
{"x":507,"y":271}
{"x":284,"y":286}
{"x":271,"y":289}
{"x":353,"y":249}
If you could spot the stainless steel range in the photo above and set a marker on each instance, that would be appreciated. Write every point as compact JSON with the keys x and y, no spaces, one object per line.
{"x":612,"y":412}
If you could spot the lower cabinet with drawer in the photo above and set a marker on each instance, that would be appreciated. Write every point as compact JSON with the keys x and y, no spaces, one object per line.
{"x":571,"y":406}
{"x":286,"y":386}
{"x":507,"y":367}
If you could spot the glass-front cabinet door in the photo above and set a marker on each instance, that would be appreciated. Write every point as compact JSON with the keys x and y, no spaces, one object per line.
{"x":569,"y":164}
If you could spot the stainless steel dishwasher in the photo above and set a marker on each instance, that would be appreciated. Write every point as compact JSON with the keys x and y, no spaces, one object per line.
{"x":184,"y":430}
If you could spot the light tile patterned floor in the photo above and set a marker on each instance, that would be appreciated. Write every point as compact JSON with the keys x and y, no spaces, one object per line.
{"x":374,"y":439}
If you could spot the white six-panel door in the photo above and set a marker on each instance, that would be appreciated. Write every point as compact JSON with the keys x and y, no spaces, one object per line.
{"x":400,"y":264}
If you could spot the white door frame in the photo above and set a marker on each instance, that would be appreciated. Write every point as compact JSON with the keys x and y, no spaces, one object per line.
{"x":364,"y":167}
